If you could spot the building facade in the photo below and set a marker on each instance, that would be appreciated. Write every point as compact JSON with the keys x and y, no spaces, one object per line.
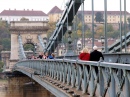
{"x":55,"y":14}
{"x":17,"y":15}
{"x":112,"y":16}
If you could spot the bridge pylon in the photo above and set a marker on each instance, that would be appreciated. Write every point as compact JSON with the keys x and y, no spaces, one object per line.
{"x":29,"y":31}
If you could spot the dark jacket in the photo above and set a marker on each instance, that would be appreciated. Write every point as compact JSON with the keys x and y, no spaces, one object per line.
{"x":95,"y":55}
{"x":40,"y":56}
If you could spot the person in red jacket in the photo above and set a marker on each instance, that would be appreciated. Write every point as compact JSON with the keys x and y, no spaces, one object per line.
{"x":84,"y":55}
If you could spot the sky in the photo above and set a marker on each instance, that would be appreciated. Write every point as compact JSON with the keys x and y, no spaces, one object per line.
{"x":47,"y":5}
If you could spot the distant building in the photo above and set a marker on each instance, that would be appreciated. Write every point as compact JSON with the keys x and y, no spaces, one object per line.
{"x":55,"y":14}
{"x":17,"y":15}
{"x":112,"y":16}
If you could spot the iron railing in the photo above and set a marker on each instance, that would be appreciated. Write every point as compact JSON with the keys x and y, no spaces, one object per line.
{"x":101,"y":79}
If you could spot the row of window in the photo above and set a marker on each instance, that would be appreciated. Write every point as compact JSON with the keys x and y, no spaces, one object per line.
{"x":90,"y":21}
{"x":18,"y":19}
{"x":107,"y":16}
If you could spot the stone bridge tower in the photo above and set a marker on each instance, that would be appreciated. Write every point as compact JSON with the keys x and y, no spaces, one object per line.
{"x":29,"y":31}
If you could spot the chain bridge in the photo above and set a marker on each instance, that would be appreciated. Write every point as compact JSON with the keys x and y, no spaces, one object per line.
{"x":67,"y":76}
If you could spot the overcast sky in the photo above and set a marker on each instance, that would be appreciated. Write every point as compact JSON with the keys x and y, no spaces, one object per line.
{"x":47,"y":5}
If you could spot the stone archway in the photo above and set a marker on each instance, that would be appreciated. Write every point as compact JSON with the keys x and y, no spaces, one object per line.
{"x":29,"y":31}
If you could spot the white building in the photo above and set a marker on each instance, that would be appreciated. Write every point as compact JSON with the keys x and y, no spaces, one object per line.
{"x":16,"y":15}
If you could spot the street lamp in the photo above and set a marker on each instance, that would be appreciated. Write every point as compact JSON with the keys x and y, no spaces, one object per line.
{"x":102,"y":41}
{"x":35,"y":48}
{"x":45,"y":41}
{"x":69,"y":51}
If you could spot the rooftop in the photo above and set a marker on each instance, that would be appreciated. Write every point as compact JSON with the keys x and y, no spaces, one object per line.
{"x":22,"y":13}
{"x":55,"y":9}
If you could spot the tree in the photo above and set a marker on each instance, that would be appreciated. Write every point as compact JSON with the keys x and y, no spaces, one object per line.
{"x":4,"y":36}
{"x":1,"y":66}
{"x":99,"y":17}
{"x":88,"y":34}
{"x":79,"y":16}
{"x":6,"y":43}
{"x":110,"y":28}
{"x":113,"y":34}
{"x":52,"y":26}
{"x":28,"y":47}
{"x":99,"y":31}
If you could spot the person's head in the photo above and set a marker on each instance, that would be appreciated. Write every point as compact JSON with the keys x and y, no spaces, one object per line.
{"x":40,"y":53}
{"x":85,"y":50}
{"x":46,"y":54}
{"x":95,"y":47}
{"x":53,"y":54}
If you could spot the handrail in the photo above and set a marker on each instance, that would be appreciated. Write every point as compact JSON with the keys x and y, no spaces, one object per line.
{"x":86,"y":76}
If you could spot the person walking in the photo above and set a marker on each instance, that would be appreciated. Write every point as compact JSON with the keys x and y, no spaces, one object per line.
{"x":84,"y":55}
{"x":51,"y":56}
{"x":40,"y":56}
{"x":95,"y":55}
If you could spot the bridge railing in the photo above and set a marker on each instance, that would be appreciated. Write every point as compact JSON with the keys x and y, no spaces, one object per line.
{"x":96,"y":78}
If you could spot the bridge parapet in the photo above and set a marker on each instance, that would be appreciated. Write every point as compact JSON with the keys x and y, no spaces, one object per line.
{"x":74,"y":77}
{"x":108,"y":57}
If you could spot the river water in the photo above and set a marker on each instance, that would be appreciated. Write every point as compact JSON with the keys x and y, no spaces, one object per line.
{"x":14,"y":87}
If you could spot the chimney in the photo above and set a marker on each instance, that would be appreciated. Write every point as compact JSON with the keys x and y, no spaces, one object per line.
{"x":15,"y":9}
{"x":24,"y":9}
{"x":9,"y":8}
{"x":32,"y":9}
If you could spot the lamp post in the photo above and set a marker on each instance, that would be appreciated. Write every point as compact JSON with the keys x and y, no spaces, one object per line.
{"x":69,"y":51}
{"x":69,"y":38}
{"x":102,"y":41}
{"x":79,"y":46}
{"x":45,"y":41}
{"x":35,"y":48}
